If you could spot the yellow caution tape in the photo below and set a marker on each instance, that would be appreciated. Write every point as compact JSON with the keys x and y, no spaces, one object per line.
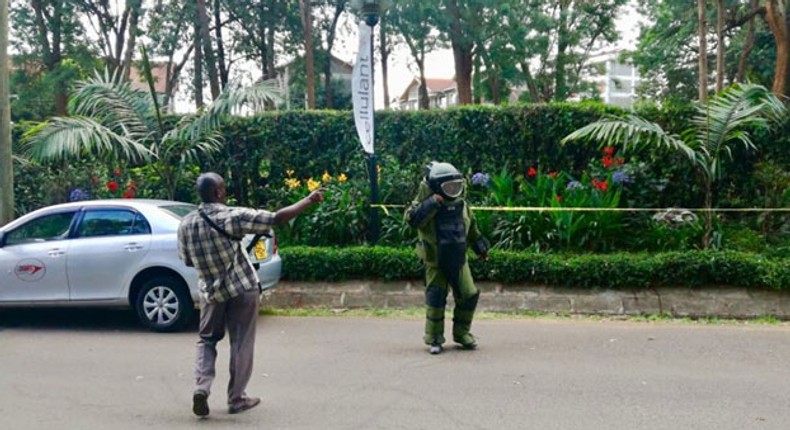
{"x":578,"y":209}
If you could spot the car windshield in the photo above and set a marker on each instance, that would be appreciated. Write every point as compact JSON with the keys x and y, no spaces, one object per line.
{"x":178,"y":211}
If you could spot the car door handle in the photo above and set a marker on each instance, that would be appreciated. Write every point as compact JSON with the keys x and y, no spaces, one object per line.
{"x":55,"y":252}
{"x":132,"y":247}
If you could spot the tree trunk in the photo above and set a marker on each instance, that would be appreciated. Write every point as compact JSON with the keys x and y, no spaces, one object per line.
{"x":560,"y":81}
{"x":720,"y":12}
{"x":424,"y":101}
{"x":776,"y":17}
{"x":477,"y":86}
{"x":493,"y":86}
{"x":221,"y":62}
{"x":52,"y":51}
{"x":748,"y":46}
{"x":330,"y":39}
{"x":385,"y":53}
{"x":131,"y":42}
{"x":208,"y":50}
{"x":197,"y":80}
{"x":463,"y":73}
{"x":708,"y":235}
{"x":6,"y":155}
{"x":462,"y":55}
{"x":703,"y":51}
{"x":534,"y":95}
{"x":307,"y":25}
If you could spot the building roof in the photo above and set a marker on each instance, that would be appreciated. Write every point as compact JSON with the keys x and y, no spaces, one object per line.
{"x":159,"y":73}
{"x":435,"y":85}
{"x":344,"y":65}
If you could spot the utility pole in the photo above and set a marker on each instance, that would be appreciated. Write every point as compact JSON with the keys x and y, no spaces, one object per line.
{"x":6,"y":162}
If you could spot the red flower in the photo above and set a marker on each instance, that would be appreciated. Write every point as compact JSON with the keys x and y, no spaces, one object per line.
{"x":112,"y":186}
{"x":117,"y":172}
{"x":532,"y":172}
{"x":600,"y":185}
{"x":559,"y":198}
{"x":553,"y":174}
{"x":127,"y":195}
{"x":609,"y":150}
{"x":131,"y":185}
{"x":619,"y":161}
{"x":608,"y":161}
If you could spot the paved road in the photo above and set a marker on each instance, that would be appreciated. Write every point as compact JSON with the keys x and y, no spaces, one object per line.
{"x":91,"y":370}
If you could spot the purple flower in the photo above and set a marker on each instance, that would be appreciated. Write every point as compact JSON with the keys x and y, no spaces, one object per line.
{"x":480,"y":178}
{"x":621,"y":177}
{"x":574,"y":185}
{"x":78,"y":194}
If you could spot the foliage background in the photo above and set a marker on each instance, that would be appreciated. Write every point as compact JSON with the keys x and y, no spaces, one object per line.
{"x":505,"y":142}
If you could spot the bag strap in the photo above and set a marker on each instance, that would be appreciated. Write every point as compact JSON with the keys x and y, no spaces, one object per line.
{"x":219,"y":229}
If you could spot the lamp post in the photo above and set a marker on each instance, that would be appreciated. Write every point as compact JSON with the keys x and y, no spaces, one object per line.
{"x":6,"y":166}
{"x":370,"y":11}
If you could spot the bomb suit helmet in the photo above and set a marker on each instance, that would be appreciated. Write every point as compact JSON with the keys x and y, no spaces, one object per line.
{"x":445,"y":180}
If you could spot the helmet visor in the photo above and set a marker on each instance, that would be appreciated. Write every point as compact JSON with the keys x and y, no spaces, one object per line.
{"x":453,"y":188}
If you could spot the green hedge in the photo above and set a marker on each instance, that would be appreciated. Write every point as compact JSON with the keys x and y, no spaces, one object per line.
{"x":615,"y":271}
{"x":260,"y":149}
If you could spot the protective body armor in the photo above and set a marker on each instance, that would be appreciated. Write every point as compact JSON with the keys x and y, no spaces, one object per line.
{"x":445,"y":231}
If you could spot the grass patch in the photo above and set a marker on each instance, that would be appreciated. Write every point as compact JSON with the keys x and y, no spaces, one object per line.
{"x":418,"y":313}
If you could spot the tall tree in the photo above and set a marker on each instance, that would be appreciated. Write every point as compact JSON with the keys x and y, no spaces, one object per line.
{"x":748,"y":44}
{"x":197,"y":79}
{"x":334,"y":10}
{"x":668,"y":56}
{"x":720,"y":45}
{"x":307,"y":24}
{"x":458,"y":21}
{"x":582,"y":27}
{"x":210,"y":60}
{"x":116,"y":29}
{"x":411,"y":22}
{"x":385,"y":49}
{"x":777,"y":18}
{"x":563,"y":40}
{"x":171,"y":35}
{"x":55,"y":24}
{"x":222,"y":64}
{"x":6,"y":163}
{"x":702,"y":55}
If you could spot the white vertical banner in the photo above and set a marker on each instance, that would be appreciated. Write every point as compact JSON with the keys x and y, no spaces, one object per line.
{"x":362,"y":89}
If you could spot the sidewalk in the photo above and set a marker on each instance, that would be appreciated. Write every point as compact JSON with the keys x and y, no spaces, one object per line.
{"x":719,"y":302}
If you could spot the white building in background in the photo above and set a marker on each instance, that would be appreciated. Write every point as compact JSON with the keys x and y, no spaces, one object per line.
{"x":442,"y":93}
{"x":616,"y":82}
{"x":341,"y":71}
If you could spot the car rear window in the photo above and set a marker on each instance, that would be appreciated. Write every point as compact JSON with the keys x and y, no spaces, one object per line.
{"x":178,"y":211}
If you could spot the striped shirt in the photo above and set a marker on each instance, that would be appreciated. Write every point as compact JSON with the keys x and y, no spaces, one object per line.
{"x":223,"y":265}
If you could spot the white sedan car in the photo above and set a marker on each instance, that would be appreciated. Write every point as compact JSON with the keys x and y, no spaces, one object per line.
{"x":119,"y":253}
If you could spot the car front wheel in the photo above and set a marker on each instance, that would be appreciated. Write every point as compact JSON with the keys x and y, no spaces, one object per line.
{"x":163,"y":304}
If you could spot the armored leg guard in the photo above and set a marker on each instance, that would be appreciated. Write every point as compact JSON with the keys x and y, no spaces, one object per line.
{"x":462,"y":321}
{"x":435,"y":301}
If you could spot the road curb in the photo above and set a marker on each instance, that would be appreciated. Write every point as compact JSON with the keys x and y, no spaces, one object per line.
{"x":714,"y":301}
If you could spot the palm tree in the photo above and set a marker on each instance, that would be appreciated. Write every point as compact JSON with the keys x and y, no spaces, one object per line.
{"x":112,"y":121}
{"x":724,"y":121}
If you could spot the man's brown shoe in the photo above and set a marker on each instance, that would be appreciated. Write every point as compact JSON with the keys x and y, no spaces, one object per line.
{"x":200,"y":404}
{"x":245,"y":404}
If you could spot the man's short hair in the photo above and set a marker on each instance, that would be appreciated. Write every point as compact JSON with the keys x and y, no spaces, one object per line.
{"x":206,"y":186}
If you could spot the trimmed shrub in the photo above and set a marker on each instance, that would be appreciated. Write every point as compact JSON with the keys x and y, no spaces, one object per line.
{"x":608,"y":271}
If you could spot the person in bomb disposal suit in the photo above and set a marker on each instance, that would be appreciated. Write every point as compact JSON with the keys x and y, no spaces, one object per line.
{"x":209,"y":240}
{"x":446,"y":228}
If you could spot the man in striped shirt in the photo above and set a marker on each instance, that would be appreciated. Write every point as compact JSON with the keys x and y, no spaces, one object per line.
{"x":228,"y":284}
